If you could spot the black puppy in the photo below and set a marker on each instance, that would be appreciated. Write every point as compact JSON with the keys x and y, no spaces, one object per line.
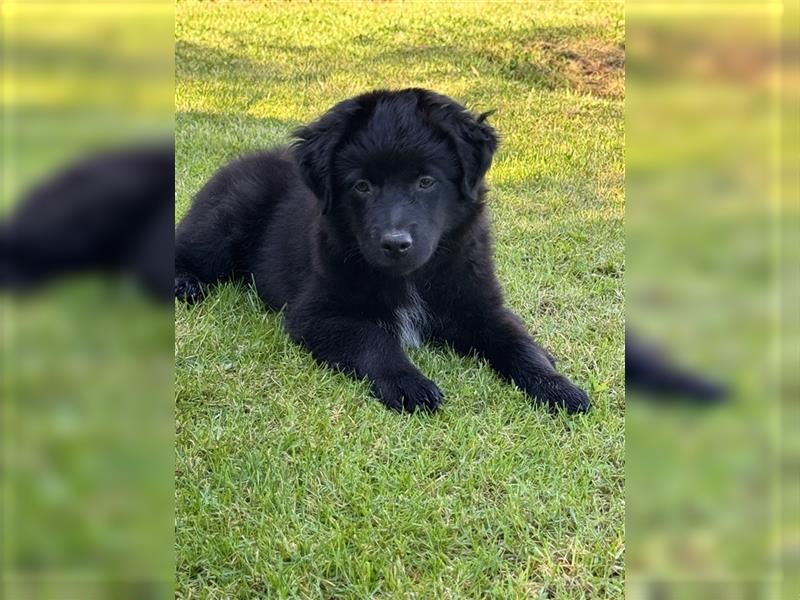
{"x":371,"y":230}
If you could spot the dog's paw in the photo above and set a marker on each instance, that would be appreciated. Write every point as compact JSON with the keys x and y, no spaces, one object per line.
{"x":188,"y":289}
{"x":556,"y":391}
{"x":408,"y":392}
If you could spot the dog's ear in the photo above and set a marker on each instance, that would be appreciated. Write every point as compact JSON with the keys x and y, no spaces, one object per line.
{"x":315,"y":146}
{"x":475,"y":141}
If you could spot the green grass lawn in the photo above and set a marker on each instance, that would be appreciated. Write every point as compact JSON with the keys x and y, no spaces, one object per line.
{"x":291,"y":481}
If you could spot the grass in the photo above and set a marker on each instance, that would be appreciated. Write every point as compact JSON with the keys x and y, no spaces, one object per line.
{"x":703,"y":225}
{"x":291,"y":481}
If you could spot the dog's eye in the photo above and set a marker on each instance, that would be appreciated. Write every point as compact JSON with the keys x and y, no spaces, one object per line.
{"x":362,"y":186}
{"x":425,"y":182}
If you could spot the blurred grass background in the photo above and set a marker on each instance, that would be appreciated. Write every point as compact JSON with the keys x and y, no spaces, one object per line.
{"x":86,"y":364}
{"x":291,"y":480}
{"x":704,"y":203}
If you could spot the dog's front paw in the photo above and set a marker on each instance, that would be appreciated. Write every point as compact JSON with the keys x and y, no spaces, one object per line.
{"x":556,"y":391}
{"x":408,"y":392}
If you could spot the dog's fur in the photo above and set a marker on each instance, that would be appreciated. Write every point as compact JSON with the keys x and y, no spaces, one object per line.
{"x":648,"y":369}
{"x":111,"y":213}
{"x":324,"y":229}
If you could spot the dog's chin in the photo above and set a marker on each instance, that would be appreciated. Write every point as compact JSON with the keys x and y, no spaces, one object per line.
{"x":396,"y":267}
{"x":398,"y":270}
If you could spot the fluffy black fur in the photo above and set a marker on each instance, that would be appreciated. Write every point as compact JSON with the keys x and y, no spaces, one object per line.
{"x":371,"y":230}
{"x":111,"y":212}
{"x":648,"y":369}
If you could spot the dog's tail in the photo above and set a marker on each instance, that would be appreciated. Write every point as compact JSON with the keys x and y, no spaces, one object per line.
{"x":649,"y":370}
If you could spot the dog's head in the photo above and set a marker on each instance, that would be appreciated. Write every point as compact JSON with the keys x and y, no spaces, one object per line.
{"x":397,"y":171}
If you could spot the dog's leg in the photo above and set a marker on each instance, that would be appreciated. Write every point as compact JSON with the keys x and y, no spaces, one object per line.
{"x":203,"y":257}
{"x":501,"y":338}
{"x":364,"y":349}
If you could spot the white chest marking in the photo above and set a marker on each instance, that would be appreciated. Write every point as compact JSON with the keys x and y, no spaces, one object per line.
{"x":411,"y":320}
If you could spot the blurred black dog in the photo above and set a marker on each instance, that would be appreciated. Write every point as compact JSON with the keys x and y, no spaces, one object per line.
{"x":371,"y":230}
{"x":648,"y":369}
{"x":109,"y":213}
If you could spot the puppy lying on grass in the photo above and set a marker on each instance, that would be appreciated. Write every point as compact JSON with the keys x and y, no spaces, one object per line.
{"x":371,"y":230}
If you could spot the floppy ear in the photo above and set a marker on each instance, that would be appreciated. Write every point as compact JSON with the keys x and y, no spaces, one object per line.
{"x":474,"y":139}
{"x":315,"y":145}
{"x":476,"y":143}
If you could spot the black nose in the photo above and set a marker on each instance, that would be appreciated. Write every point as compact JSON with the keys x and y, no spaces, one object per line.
{"x":395,"y":243}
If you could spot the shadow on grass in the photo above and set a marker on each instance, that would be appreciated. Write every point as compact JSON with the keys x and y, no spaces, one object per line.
{"x":197,"y":61}
{"x":223,"y":136}
{"x":554,"y":58}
